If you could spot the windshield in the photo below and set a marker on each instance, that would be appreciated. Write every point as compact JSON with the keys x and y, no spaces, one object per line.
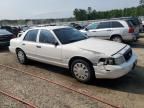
{"x":69,"y":35}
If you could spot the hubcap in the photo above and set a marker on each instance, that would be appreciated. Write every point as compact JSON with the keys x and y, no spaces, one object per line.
{"x":81,"y":71}
{"x":21,"y":56}
{"x":117,"y":39}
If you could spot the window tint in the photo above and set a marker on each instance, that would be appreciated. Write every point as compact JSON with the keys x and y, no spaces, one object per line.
{"x":130,"y":24}
{"x":69,"y":35}
{"x":31,"y":35}
{"x":46,"y":37}
{"x":92,"y":26}
{"x":103,"y":25}
{"x":116,"y":24}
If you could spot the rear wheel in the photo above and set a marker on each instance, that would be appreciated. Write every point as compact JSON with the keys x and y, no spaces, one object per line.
{"x":82,"y":71}
{"x":21,"y":56}
{"x":117,"y":39}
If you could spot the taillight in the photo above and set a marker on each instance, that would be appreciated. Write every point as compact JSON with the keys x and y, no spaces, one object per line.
{"x":131,"y":30}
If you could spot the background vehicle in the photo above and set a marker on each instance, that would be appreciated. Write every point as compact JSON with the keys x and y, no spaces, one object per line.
{"x":5,"y":37}
{"x":135,"y":21}
{"x":77,"y":26}
{"x":142,"y":19}
{"x":115,"y":30}
{"x":87,"y":58}
{"x":14,"y":30}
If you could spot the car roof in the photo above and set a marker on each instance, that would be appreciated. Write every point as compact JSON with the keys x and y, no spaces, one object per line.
{"x":109,"y":21}
{"x":51,"y":27}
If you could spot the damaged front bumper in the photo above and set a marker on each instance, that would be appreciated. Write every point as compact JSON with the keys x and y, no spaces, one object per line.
{"x":115,"y":71}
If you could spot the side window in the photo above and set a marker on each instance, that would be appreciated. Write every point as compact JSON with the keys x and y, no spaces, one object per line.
{"x":103,"y":25}
{"x":116,"y":24}
{"x":92,"y":26}
{"x":46,"y":37}
{"x":31,"y":35}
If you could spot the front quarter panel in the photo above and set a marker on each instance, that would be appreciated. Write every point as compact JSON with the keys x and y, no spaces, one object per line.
{"x":69,"y":52}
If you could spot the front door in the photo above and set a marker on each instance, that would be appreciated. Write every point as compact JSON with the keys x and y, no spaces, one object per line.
{"x":47,"y":50}
{"x":103,"y":31}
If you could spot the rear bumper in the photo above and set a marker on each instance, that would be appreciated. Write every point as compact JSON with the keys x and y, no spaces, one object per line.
{"x":115,"y":71}
{"x":131,"y":37}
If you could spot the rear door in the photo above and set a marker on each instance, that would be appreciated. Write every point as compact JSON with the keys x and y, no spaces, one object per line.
{"x":117,"y":28}
{"x":28,"y":44}
{"x":103,"y":31}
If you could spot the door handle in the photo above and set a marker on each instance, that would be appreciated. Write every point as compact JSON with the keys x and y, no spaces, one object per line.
{"x":93,"y":31}
{"x":38,"y":46}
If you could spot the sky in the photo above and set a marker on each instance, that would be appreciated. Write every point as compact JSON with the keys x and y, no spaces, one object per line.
{"x":23,"y":9}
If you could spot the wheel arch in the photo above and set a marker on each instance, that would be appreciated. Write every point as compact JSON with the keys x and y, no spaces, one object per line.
{"x":17,"y":49}
{"x":115,"y":35}
{"x":79,"y":57}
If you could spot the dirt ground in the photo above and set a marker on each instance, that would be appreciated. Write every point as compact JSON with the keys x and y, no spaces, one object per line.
{"x":127,"y":92}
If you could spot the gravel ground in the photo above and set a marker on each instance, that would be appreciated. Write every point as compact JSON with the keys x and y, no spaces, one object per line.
{"x":6,"y":102}
{"x":127,"y":91}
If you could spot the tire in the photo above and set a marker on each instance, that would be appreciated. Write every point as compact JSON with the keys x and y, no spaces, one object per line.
{"x":117,"y":39}
{"x":21,"y":56}
{"x":82,"y":71}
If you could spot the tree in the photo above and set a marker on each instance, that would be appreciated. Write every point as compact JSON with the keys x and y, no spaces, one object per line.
{"x":80,"y":14}
{"x":141,"y":2}
{"x":92,"y":14}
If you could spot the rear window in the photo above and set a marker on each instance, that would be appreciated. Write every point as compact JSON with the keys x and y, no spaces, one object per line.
{"x":130,"y":24}
{"x":116,"y":24}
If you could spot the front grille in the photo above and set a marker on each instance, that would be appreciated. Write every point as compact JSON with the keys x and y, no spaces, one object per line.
{"x":128,"y":54}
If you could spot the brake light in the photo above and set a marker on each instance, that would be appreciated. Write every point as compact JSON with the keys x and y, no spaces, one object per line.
{"x":131,"y":30}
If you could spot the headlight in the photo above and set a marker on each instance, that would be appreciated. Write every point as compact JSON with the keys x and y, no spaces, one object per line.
{"x":107,"y":61}
{"x":119,"y":60}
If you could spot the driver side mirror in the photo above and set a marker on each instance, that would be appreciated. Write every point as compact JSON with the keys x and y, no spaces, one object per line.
{"x":86,"y":29}
{"x":56,"y":43}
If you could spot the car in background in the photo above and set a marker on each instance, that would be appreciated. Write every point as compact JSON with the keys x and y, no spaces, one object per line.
{"x":13,"y":30}
{"x":115,"y":30}
{"x":76,"y":26}
{"x":86,"y":58}
{"x":5,"y":37}
{"x":135,"y":21}
{"x":142,"y":19}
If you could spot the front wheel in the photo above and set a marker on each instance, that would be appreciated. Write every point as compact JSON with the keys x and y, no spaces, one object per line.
{"x":21,"y":56}
{"x":82,"y":71}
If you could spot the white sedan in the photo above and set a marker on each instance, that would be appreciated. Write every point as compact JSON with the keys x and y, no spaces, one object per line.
{"x":87,"y":58}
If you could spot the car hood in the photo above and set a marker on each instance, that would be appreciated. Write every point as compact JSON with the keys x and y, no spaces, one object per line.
{"x":99,"y":46}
